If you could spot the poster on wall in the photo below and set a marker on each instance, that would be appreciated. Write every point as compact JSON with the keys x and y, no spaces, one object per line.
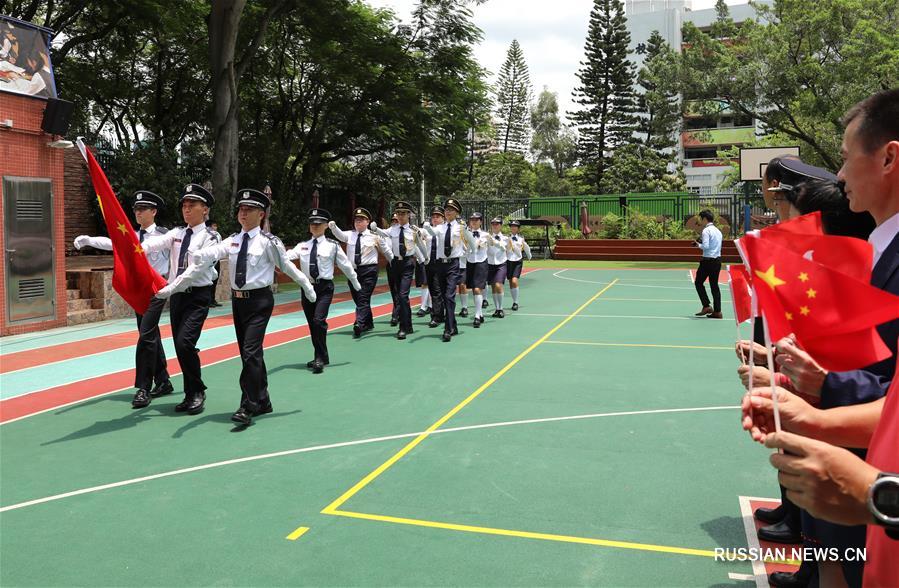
{"x":25,"y":66}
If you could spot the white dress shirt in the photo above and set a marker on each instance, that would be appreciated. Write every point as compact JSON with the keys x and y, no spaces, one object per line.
{"x":497,"y":252}
{"x":477,"y":245}
{"x":393,"y":234}
{"x":881,"y":237}
{"x":457,"y":249}
{"x":265,"y":252}
{"x":328,"y":254}
{"x":159,"y":260}
{"x":518,"y":248}
{"x":711,"y":241}
{"x":201,"y":238}
{"x":370,"y":246}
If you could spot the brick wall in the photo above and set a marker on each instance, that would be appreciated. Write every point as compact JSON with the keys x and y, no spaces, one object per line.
{"x":24,"y":153}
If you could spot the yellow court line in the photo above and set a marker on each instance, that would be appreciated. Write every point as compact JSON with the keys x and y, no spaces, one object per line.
{"x":640,"y":345}
{"x":331,"y":508}
{"x":299,"y":532}
{"x":525,"y":534}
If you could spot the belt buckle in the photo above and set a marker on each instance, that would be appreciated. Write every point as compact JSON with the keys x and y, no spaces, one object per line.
{"x":240,"y":294}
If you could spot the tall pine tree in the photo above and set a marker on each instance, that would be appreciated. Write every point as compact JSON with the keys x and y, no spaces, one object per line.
{"x":513,"y":97}
{"x":659,"y":110}
{"x":606,"y":93}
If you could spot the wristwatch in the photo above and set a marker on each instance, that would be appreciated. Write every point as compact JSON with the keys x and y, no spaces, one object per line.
{"x":883,"y":502}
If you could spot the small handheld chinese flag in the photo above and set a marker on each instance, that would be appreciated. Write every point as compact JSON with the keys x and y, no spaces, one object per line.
{"x":740,"y":293}
{"x":132,"y":276}
{"x":825,"y":308}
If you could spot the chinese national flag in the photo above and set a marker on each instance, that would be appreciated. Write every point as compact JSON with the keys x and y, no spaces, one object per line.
{"x":847,"y":255}
{"x":132,"y":276}
{"x":739,"y":293}
{"x":807,"y":224}
{"x":833,"y":315}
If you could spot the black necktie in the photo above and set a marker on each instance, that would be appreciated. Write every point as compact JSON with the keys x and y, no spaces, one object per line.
{"x":313,"y":260}
{"x":402,"y":243}
{"x":433,"y":249}
{"x":514,"y":238}
{"x":142,"y":234}
{"x":476,"y":234}
{"x":240,"y":273}
{"x":182,"y":254}
{"x":358,"y":257}
{"x":448,"y":240}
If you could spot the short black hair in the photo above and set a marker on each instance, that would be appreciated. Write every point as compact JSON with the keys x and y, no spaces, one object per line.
{"x":707,"y":215}
{"x":879,"y":119}
{"x":828,"y":198}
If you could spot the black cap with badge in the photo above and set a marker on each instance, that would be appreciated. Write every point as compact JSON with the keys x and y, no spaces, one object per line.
{"x":437,"y":210}
{"x":319,"y":216}
{"x":251,"y":197}
{"x":514,"y":223}
{"x":198,"y":193}
{"x":362,"y":213}
{"x":475,"y":215}
{"x":452,"y":203}
{"x":148,"y":199}
{"x":403,"y":206}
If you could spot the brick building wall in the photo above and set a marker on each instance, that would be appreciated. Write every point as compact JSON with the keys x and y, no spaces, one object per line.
{"x":24,"y":153}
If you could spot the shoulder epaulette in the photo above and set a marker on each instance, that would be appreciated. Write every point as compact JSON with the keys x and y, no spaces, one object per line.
{"x":161,"y":230}
{"x":271,"y":238}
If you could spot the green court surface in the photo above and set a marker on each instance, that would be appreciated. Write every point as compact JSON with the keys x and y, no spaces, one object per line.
{"x":591,"y":438}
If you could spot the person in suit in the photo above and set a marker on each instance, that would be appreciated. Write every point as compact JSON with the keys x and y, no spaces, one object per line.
{"x":148,"y":368}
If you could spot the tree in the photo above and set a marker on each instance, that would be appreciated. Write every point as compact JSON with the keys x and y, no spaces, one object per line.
{"x":606,"y":93}
{"x":659,"y":107}
{"x":637,"y":168}
{"x":513,"y":97}
{"x":502,"y":175}
{"x":550,"y":139}
{"x":798,"y":68}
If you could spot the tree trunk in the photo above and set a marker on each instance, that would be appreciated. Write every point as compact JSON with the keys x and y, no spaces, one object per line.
{"x":224,"y":23}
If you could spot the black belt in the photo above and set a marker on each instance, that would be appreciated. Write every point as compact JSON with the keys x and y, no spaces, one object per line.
{"x":365,"y":265}
{"x":251,"y":293}
{"x":445,"y":260}
{"x":317,"y":281}
{"x":711,"y":258}
{"x":195,"y":288}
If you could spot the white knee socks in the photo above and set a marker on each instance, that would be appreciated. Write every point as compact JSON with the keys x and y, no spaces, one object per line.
{"x":514,"y":295}
{"x":478,"y":311}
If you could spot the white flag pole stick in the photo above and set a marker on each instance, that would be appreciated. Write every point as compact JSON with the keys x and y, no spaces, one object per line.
{"x":771,"y":371}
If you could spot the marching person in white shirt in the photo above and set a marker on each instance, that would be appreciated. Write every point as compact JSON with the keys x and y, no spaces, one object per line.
{"x":362,"y":251}
{"x":463,"y":289}
{"x":449,"y":251}
{"x":496,"y":264}
{"x":253,"y":256}
{"x":476,"y":266}
{"x":423,"y":280}
{"x":188,"y":309}
{"x":518,"y":248}
{"x":402,"y":241}
{"x":429,"y":248}
{"x":318,"y":256}
{"x":147,"y":368}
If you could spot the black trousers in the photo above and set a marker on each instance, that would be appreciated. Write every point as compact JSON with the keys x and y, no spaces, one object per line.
{"x":448,"y":278}
{"x":149,"y":356}
{"x":437,"y":306}
{"x":403,"y":270}
{"x":317,"y":317}
{"x":188,"y":311}
{"x":709,"y":269}
{"x":368,"y":279}
{"x":391,"y":283}
{"x":251,"y":316}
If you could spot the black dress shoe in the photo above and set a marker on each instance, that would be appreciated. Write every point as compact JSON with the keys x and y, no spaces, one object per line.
{"x":779,"y":533}
{"x":182,"y":406}
{"x":433,"y":324}
{"x":401,"y":335}
{"x":798,"y":579}
{"x":162,"y":389}
{"x":264,"y":408}
{"x":243,"y":416}
{"x":769,"y":515}
{"x":454,"y":332}
{"x":197,"y":404}
{"x":476,"y":324}
{"x":495,"y":314}
{"x":514,"y":306}
{"x":421,"y":312}
{"x":502,"y":313}
{"x":357,"y":331}
{"x":463,"y":313}
{"x":141,"y":399}
{"x":394,"y":322}
{"x":447,"y":337}
{"x":318,"y":367}
{"x":705,"y":310}
{"x":483,"y":304}
{"x":311,"y":364}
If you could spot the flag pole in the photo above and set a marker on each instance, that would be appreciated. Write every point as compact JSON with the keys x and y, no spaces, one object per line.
{"x":771,"y":371}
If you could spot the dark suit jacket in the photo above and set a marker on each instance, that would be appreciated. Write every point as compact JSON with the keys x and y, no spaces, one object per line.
{"x":870,"y":383}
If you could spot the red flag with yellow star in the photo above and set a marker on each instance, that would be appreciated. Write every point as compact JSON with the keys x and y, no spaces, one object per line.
{"x":739,"y":293}
{"x":833,"y":315}
{"x":848,"y":255}
{"x":132,"y":276}
{"x":807,"y":224}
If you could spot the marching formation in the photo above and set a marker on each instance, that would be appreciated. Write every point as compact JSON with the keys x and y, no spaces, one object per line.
{"x":442,"y":255}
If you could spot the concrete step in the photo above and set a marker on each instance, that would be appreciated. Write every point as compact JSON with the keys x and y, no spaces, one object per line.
{"x":73,"y":293}
{"x":78,"y":304}
{"x":80,"y":317}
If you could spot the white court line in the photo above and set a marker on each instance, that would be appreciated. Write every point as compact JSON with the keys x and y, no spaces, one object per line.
{"x":621,"y":316}
{"x":556,"y":275}
{"x":752,"y":541}
{"x":746,"y":577}
{"x":218,"y":464}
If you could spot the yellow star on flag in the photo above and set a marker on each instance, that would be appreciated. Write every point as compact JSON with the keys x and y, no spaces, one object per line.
{"x":138,"y":248}
{"x":789,"y":316}
{"x":804,"y":310}
{"x":121,"y":227}
{"x":803,"y":277}
{"x":769,"y":278}
{"x":811,"y":293}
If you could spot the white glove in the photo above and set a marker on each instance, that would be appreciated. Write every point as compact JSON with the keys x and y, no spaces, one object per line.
{"x":165,"y":292}
{"x":426,"y":224}
{"x":356,"y":285}
{"x":310,"y":294}
{"x":82,"y":241}
{"x":332,"y":225}
{"x":373,"y":226}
